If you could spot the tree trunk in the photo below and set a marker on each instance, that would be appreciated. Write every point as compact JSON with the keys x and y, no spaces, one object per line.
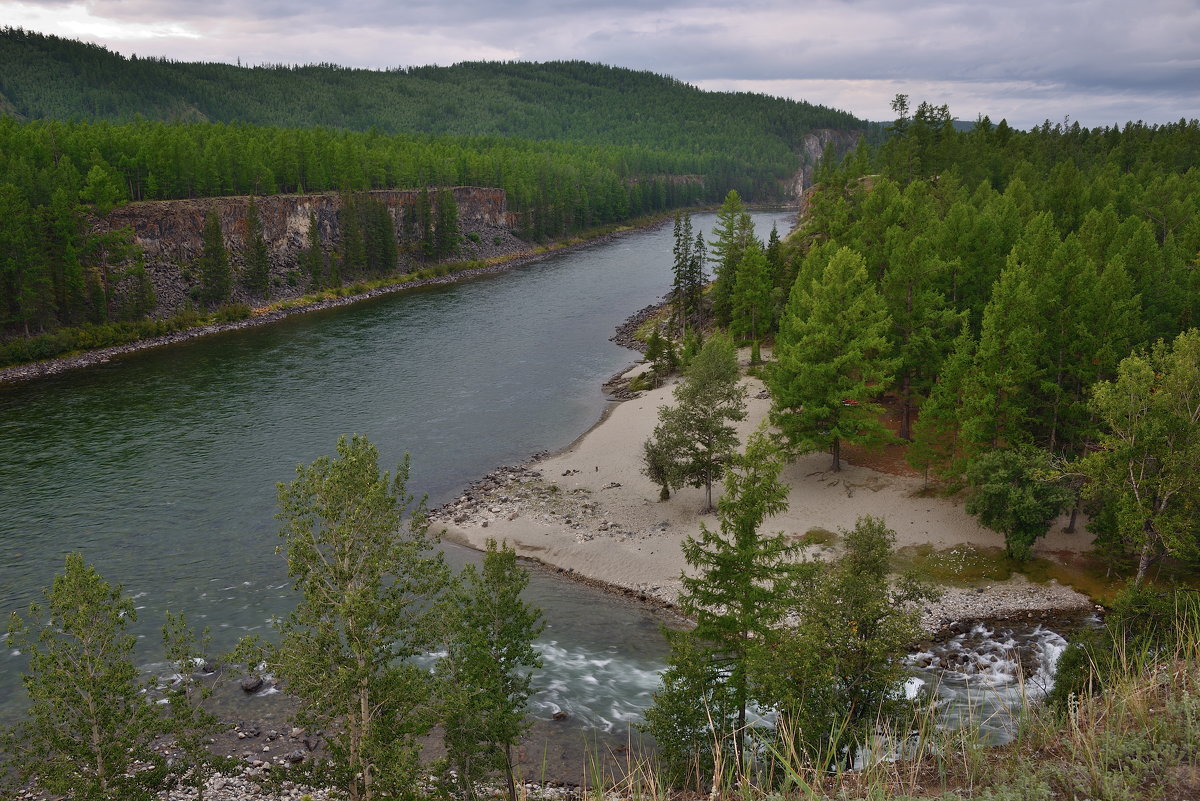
{"x":508,"y":771}
{"x":837,"y":454}
{"x":906,"y":409}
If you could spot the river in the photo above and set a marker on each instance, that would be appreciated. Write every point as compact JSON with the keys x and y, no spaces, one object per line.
{"x":161,"y":467}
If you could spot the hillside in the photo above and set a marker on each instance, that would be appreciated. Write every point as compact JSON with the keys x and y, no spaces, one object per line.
{"x":47,"y":77}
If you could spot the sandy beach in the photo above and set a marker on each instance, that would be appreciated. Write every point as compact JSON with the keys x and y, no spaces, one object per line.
{"x":590,"y":512}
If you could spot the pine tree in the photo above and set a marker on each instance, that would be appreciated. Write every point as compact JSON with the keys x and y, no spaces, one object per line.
{"x":832,"y":356}
{"x":256,"y":274}
{"x":446,"y":231}
{"x":752,"y":299}
{"x":485,"y":675}
{"x":312,"y":258}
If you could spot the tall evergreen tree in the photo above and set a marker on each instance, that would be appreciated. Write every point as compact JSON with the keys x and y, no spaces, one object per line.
{"x":216,"y":280}
{"x":738,"y":591}
{"x":731,"y":235}
{"x":312,"y":258}
{"x":256,"y":274}
{"x":832,"y":357}
{"x":752,"y":299}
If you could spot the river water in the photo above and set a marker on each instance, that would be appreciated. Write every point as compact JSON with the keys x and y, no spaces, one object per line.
{"x":161,"y":467}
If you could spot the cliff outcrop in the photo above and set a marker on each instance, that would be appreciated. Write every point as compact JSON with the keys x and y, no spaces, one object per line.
{"x":168,"y":234}
{"x":812,"y":149}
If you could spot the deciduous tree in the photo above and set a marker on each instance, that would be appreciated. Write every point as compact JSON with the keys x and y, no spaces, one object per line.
{"x":360,"y":554}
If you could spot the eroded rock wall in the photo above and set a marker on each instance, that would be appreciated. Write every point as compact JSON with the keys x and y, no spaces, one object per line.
{"x":169,"y":235}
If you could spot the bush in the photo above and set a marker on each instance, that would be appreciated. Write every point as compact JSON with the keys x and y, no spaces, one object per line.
{"x":231,"y":312}
{"x":474,"y":237}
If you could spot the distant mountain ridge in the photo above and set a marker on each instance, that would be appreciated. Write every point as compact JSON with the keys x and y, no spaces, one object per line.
{"x":48,"y":77}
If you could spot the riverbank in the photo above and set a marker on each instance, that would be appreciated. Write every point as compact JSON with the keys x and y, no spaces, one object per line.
{"x":267,"y":316}
{"x":589,"y":512}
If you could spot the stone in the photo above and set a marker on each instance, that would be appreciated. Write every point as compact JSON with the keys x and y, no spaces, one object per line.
{"x":252,"y":683}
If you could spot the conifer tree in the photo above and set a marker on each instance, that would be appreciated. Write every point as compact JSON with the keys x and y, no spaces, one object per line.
{"x":256,"y":274}
{"x":752,"y":299}
{"x":738,"y":590}
{"x":446,"y":231}
{"x":832,"y":356}
{"x":312,"y":258}
{"x":215,"y":277}
{"x":732,"y":234}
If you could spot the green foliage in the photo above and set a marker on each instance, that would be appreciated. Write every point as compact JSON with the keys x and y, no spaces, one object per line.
{"x":89,"y":722}
{"x":1149,"y":451}
{"x":1143,"y":622}
{"x":738,"y":590}
{"x":832,"y":357}
{"x":366,"y":578}
{"x":216,"y":280}
{"x":687,"y":288}
{"x":256,"y":271}
{"x":1015,"y":492}
{"x":731,"y":235}
{"x":752,"y":302}
{"x":840,"y":670}
{"x":696,"y":436}
{"x":485,"y":675}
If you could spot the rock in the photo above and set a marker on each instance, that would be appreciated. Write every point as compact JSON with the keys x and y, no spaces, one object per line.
{"x":560,"y":715}
{"x":295,"y":757}
{"x":252,"y":683}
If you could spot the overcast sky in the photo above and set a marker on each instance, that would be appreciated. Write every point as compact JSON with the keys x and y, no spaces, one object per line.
{"x":1099,"y":62}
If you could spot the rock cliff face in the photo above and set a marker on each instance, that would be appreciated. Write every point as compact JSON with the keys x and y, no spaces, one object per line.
{"x":169,"y":235}
{"x":811,"y":149}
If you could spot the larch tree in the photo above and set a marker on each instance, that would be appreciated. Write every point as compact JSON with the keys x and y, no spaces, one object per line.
{"x":215,"y":277}
{"x":752,"y":299}
{"x":832,"y":356}
{"x":738,"y":590}
{"x":256,"y":275}
{"x":731,"y":235}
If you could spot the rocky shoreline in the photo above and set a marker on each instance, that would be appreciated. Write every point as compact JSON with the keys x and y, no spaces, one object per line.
{"x":50,"y":367}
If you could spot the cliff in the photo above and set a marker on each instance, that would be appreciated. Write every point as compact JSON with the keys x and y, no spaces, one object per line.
{"x":812,"y":148}
{"x":169,"y":235}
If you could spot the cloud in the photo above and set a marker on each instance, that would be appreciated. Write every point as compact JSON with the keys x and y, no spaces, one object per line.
{"x":1100,"y":61}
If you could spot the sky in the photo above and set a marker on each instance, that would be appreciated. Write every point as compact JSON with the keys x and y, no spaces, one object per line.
{"x":1097,"y":62}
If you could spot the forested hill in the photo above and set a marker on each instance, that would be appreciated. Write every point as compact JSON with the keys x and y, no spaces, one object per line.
{"x":47,"y":77}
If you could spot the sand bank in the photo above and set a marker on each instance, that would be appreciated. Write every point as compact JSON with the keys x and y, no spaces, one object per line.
{"x":590,"y":512}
